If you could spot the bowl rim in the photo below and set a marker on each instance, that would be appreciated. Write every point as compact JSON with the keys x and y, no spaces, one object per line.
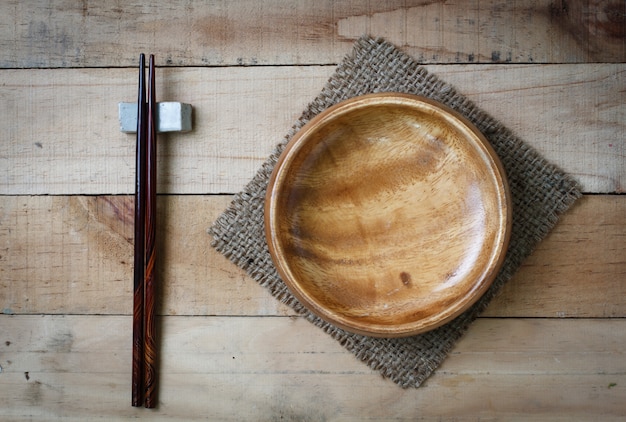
{"x":299,"y":140}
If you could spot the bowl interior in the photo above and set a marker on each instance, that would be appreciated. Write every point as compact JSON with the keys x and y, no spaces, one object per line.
{"x":388,"y":215}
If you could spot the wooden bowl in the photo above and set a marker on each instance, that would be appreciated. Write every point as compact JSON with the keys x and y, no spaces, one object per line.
{"x":388,"y":215}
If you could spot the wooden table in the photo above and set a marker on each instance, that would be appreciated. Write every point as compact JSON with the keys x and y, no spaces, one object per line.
{"x":551,"y":346}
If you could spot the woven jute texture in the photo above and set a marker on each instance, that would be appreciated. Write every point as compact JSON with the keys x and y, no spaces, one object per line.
{"x":539,"y":190}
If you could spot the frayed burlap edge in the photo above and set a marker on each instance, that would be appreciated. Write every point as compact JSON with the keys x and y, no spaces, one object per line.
{"x":540,"y":193}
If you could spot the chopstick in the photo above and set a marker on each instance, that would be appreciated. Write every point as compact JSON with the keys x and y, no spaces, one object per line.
{"x":149,"y":293}
{"x":139,"y":261}
{"x":144,"y":363}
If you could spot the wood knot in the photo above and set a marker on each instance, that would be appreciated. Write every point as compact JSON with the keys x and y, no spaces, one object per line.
{"x":405,"y":278}
{"x":558,"y":9}
{"x":612,"y":19}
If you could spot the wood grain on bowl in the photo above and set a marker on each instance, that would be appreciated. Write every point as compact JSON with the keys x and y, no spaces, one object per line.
{"x":388,"y":215}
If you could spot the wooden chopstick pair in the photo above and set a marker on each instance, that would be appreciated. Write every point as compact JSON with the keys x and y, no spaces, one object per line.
{"x":144,"y":300}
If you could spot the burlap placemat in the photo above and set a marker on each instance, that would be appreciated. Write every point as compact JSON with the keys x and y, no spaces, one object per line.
{"x":540,"y":192}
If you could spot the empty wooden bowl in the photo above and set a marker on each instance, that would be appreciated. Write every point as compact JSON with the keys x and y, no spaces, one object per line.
{"x":388,"y":215}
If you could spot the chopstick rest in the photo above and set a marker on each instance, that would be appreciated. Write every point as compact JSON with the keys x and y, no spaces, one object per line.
{"x":170,"y":117}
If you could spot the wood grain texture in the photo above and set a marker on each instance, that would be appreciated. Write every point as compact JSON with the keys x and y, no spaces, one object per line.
{"x":54,"y":368}
{"x":73,"y":255}
{"x":242,"y":355}
{"x":573,"y":114}
{"x":524,"y":31}
{"x":388,"y":215}
{"x":139,"y":239}
{"x":567,"y":258}
{"x":91,"y":34}
{"x":151,"y":290}
{"x":51,"y":150}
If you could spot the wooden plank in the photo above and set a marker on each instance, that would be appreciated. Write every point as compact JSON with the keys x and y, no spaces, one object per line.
{"x":582,"y":259}
{"x":194,"y":33}
{"x":64,"y":138}
{"x":73,"y":255}
{"x":77,"y":368}
{"x":545,"y":105}
{"x":63,"y":135}
{"x":496,"y":31}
